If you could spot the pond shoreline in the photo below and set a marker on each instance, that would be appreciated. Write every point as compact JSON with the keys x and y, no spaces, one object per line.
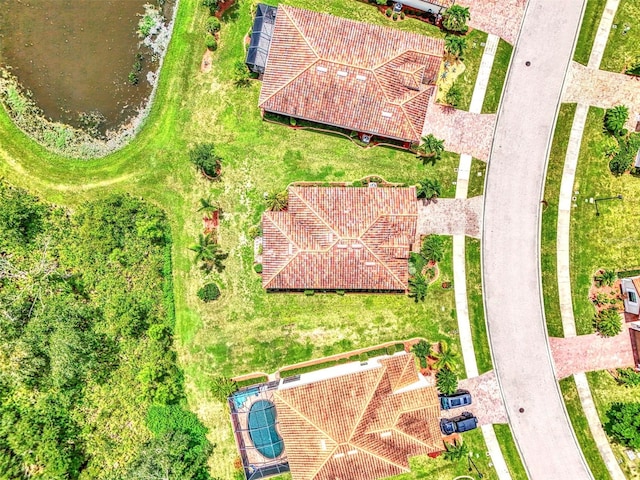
{"x":67,"y":140}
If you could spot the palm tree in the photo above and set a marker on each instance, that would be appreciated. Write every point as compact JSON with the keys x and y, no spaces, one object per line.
{"x":430,"y":149}
{"x":615,"y":119}
{"x":429,"y":189}
{"x":208,"y":252}
{"x":207,"y":206}
{"x":455,"y":451}
{"x":421,"y":350}
{"x":222,"y":388}
{"x":446,"y":381}
{"x":455,"y":46}
{"x":607,"y":277}
{"x":445,"y":357}
{"x":433,"y":248}
{"x":455,"y":18}
{"x":277,"y":201}
{"x":418,"y":287}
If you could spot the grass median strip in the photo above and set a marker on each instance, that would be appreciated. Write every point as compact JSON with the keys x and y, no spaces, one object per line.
{"x":497,"y":77}
{"x":622,"y":46}
{"x":588,"y":30}
{"x":550,"y":219}
{"x":510,"y":451}
{"x":476,"y":306}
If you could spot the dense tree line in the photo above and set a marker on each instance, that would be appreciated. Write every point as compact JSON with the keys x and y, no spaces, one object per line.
{"x":89,"y":384}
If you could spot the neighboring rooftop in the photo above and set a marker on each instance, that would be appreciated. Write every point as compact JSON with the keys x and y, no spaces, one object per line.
{"x":350,"y":74}
{"x":340,"y":238}
{"x":360,"y":426}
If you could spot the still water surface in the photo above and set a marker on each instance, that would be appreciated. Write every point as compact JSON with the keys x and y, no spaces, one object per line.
{"x":75,"y":55}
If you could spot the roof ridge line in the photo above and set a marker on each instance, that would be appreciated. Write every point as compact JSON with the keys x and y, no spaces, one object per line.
{"x":316,"y":213}
{"x":308,"y":420}
{"x":386,"y":460}
{"x":383,"y":369}
{"x":433,"y":88}
{"x":266,"y":285}
{"x":304,"y":38}
{"x":415,"y":439}
{"x":376,"y":256}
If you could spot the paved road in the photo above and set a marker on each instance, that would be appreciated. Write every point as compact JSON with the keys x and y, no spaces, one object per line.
{"x":510,"y":254}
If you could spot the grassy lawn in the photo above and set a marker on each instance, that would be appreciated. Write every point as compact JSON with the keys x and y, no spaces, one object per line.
{"x":580,"y":426}
{"x":476,"y":178}
{"x":246,"y":329}
{"x":606,"y":241}
{"x":550,"y":219}
{"x":623,"y":46}
{"x":472,"y":58}
{"x":588,"y":30}
{"x":441,"y":469}
{"x":510,"y":452}
{"x":476,"y":306}
{"x":605,"y":391}
{"x":497,"y":77}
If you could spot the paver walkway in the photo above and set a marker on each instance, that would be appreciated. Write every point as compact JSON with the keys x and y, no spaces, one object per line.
{"x":500,"y":17}
{"x":603,"y":89}
{"x":487,"y":402}
{"x":450,"y":216}
{"x":462,"y":132}
{"x":510,"y":247}
{"x":589,"y":353}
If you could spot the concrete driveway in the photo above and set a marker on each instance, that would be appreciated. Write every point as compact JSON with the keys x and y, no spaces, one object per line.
{"x":450,"y":216}
{"x":510,"y":242}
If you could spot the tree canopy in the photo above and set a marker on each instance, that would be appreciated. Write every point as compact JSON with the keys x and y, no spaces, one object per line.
{"x":86,"y":324}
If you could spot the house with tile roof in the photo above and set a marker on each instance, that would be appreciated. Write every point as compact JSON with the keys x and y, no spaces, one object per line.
{"x":349,"y":74}
{"x":340,"y":238}
{"x":363,"y":425}
{"x":631,"y":294}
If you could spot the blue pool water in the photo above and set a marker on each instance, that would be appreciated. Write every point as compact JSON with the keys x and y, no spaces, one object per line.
{"x":262,"y":429}
{"x":240,"y":397}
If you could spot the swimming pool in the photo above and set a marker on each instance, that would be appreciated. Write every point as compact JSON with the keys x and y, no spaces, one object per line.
{"x":262,"y":429}
{"x":240,"y":397}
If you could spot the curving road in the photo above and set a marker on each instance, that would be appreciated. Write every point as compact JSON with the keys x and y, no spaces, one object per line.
{"x":510,"y":241}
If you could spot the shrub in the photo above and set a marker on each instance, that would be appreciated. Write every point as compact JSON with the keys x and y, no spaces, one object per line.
{"x":608,"y":322}
{"x":418,"y":287}
{"x":309,"y":293}
{"x":429,"y":188}
{"x":357,"y":183}
{"x":402,"y":15}
{"x":634,"y":69}
{"x":390,"y":350}
{"x":446,"y":381}
{"x":395,"y":16}
{"x":133,"y":78}
{"x":222,"y":388}
{"x":454,"y":95}
{"x":204,"y":157}
{"x":416,"y":263}
{"x":421,"y":350}
{"x":628,"y":377}
{"x":623,"y":423}
{"x":209,"y":292}
{"x":381,"y":2}
{"x":211,"y":43}
{"x":292,"y":121}
{"x":255,"y":231}
{"x":620,"y":164}
{"x":257,"y":268}
{"x":388,"y":12}
{"x":340,"y":292}
{"x":607,"y":277}
{"x":213,"y":25}
{"x":241,"y":74}
{"x":277,"y":201}
{"x":615,"y":118}
{"x":455,"y":19}
{"x":455,"y":46}
{"x":212,"y":5}
{"x":433,"y":248}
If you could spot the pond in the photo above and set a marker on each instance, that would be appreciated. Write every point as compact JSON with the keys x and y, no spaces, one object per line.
{"x":76,"y":56}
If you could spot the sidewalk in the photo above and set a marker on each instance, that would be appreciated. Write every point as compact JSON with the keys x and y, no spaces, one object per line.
{"x":586,"y":86}
{"x":488,"y":404}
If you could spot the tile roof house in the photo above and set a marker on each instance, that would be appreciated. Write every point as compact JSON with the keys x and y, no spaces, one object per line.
{"x":360,"y":426}
{"x":631,"y":294}
{"x":349,"y":74}
{"x":340,"y":238}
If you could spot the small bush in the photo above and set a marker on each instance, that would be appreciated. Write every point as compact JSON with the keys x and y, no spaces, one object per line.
{"x":309,"y":293}
{"x":133,"y":78}
{"x":388,"y":12}
{"x":292,"y":121}
{"x":209,"y":292}
{"x":395,"y":16}
{"x":340,"y":292}
{"x":211,"y":43}
{"x":204,"y":157}
{"x":608,"y":322}
{"x":402,"y":15}
{"x":255,"y":231}
{"x":454,"y":95}
{"x":257,"y":268}
{"x":212,"y":5}
{"x":615,"y":118}
{"x":391,"y":350}
{"x":213,"y":25}
{"x":628,"y":377}
{"x":446,"y":381}
{"x":357,"y":183}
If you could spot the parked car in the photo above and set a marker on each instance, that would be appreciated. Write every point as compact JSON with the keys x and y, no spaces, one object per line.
{"x":463,"y":423}
{"x":461,"y":398}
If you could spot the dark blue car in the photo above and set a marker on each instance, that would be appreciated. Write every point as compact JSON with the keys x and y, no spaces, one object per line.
{"x":463,"y":423}
{"x":461,"y":398}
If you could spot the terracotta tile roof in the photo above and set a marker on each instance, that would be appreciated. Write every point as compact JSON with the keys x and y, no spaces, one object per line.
{"x":350,"y":74}
{"x":355,"y":427}
{"x":334,"y":238}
